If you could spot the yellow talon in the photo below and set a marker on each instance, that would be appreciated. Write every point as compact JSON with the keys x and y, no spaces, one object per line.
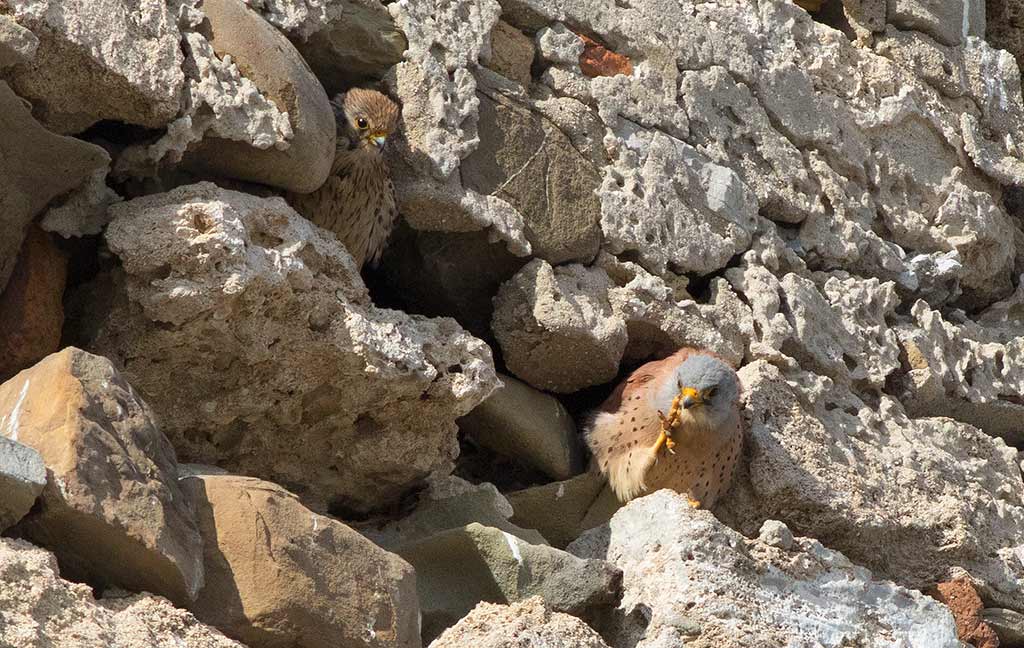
{"x":692,"y":502}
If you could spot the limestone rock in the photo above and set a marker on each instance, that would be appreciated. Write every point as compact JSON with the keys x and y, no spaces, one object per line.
{"x":1009,"y":625}
{"x":511,"y":53}
{"x":529,"y":163}
{"x":949,"y":23}
{"x":31,"y":312}
{"x":529,"y":426}
{"x":965,"y":370}
{"x":241,"y":319}
{"x":22,"y":478}
{"x":556,"y":327}
{"x":855,"y":474}
{"x":36,"y":166}
{"x":111,"y":510}
{"x":101,"y":60}
{"x":450,"y":503}
{"x":689,"y":579}
{"x":345,"y":42}
{"x":664,"y":201}
{"x":530,"y":622}
{"x":458,"y":568}
{"x":17,"y":44}
{"x":41,"y":610}
{"x":301,"y":579}
{"x":265,"y":57}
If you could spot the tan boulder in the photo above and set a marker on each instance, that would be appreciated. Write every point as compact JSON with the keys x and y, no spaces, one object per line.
{"x":279,"y":575}
{"x":270,"y":61}
{"x":112,"y":511}
{"x":31,"y":310}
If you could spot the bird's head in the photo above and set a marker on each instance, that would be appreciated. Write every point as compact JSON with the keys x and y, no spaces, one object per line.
{"x":368,"y":118}
{"x":708,"y":390}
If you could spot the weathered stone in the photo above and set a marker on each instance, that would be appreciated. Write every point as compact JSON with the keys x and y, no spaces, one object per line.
{"x":450,"y":503}
{"x":41,"y":610}
{"x":31,"y":313}
{"x":529,"y":426}
{"x":17,"y":44}
{"x":458,"y":568}
{"x":100,"y":59}
{"x":869,"y":487}
{"x":556,"y":327}
{"x":111,"y":510}
{"x":22,"y":477}
{"x":557,"y":510}
{"x":435,"y":86}
{"x":36,"y":166}
{"x":511,"y":53}
{"x":529,"y":163}
{"x":665,"y":202}
{"x":531,"y":622}
{"x":217,"y":285}
{"x":346,"y":42}
{"x":965,"y":605}
{"x":271,"y":62}
{"x":1009,"y":626}
{"x":963,"y":370}
{"x":689,"y":579}
{"x":949,"y":23}
{"x":301,"y":579}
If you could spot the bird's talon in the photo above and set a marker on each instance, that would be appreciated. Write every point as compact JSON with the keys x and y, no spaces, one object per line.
{"x":693,"y":503}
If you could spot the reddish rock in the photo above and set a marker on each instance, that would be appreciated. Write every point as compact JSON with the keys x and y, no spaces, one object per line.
{"x":597,"y":60}
{"x":31,"y":314}
{"x":966,"y":606}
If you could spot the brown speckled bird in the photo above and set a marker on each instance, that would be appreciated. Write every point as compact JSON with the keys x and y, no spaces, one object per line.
{"x":357,"y":202}
{"x":674,"y":423}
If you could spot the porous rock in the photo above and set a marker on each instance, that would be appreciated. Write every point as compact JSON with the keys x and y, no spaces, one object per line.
{"x":36,"y":166}
{"x":112,"y":510}
{"x":689,"y":579}
{"x":31,"y":311}
{"x":556,"y":327}
{"x":531,"y":622}
{"x":216,"y":284}
{"x":41,"y":610}
{"x":22,"y":478}
{"x":965,"y":605}
{"x":871,"y":487}
{"x":528,"y":426}
{"x":301,"y":579}
{"x":458,"y":568}
{"x":270,"y":61}
{"x":101,"y":60}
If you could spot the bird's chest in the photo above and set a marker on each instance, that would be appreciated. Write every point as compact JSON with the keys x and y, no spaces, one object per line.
{"x":702,"y":465}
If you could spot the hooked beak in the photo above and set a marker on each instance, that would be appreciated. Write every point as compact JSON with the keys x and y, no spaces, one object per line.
{"x":378,"y":140}
{"x":690,"y":397}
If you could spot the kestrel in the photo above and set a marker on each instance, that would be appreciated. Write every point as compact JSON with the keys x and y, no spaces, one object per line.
{"x":674,"y":423}
{"x":357,"y":202}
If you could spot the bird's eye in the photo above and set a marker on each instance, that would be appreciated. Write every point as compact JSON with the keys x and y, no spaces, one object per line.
{"x":361,"y":122}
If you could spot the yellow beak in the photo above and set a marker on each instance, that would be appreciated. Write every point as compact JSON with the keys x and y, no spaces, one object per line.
{"x":378,"y":139}
{"x":690,"y":398}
